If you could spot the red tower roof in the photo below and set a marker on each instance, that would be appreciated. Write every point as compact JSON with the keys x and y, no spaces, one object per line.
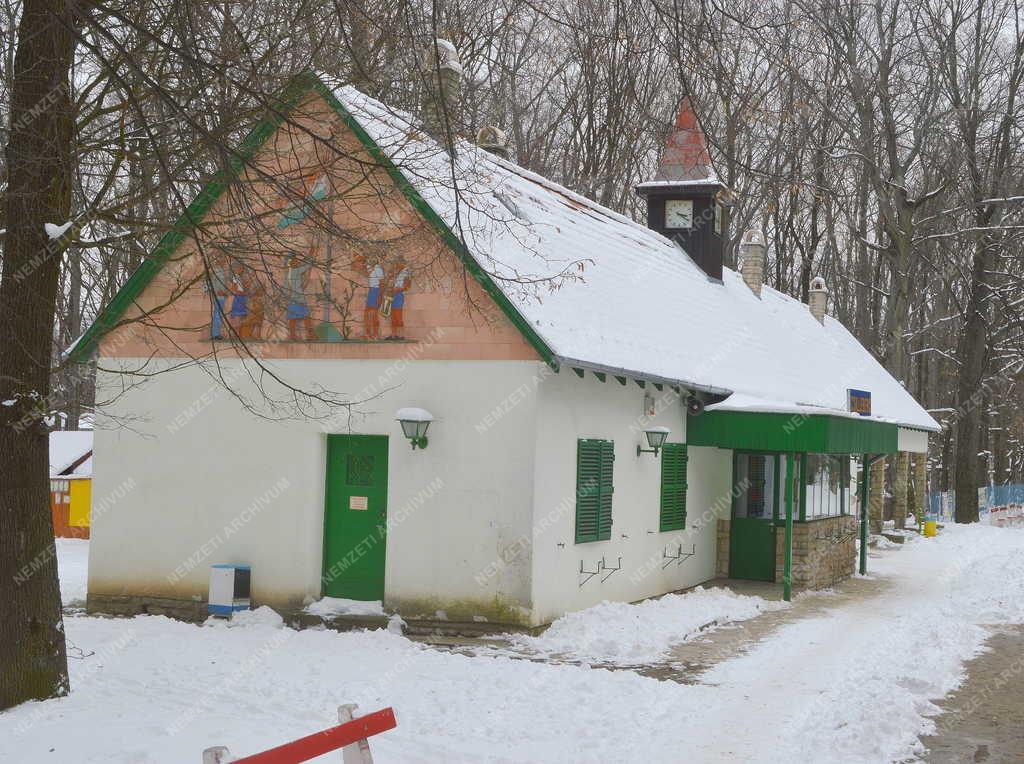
{"x":685,"y":157}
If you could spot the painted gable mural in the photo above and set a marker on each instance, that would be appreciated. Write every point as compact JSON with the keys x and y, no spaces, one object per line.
{"x":318,"y":254}
{"x":321,"y":289}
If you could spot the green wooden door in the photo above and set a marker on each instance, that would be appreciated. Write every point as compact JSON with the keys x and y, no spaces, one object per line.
{"x":756,"y":478}
{"x":355,"y":516}
{"x":752,"y":549}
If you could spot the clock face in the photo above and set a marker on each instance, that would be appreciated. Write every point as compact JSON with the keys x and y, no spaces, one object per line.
{"x":679,"y":213}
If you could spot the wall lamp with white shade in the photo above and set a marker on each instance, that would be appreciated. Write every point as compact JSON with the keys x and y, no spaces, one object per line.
{"x":415,"y":422}
{"x":656,"y":437}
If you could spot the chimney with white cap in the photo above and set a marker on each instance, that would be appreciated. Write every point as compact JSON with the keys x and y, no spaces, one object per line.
{"x":443,"y":72}
{"x":752,"y":259}
{"x":817,"y":299}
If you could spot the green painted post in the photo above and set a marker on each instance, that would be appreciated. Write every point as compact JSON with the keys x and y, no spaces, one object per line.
{"x":865,"y":466}
{"x":787,"y":572}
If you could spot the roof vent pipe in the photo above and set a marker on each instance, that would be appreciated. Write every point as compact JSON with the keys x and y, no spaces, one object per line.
{"x":444,"y":85}
{"x":817,"y":299}
{"x":752,"y":249}
{"x":495,"y":141}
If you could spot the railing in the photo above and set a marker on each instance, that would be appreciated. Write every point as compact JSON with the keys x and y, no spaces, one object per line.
{"x":350,"y":736}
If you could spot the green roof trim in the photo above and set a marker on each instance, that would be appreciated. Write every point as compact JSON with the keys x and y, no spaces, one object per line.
{"x":815,"y":433}
{"x":192,"y":216}
{"x":195,"y":212}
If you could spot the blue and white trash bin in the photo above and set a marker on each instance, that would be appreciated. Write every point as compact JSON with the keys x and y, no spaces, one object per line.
{"x":229,"y":589}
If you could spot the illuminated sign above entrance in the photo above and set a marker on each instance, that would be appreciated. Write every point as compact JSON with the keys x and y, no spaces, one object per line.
{"x":859,"y":401}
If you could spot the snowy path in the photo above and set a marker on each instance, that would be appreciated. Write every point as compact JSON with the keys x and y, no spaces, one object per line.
{"x":850,"y":684}
{"x":854,"y":682}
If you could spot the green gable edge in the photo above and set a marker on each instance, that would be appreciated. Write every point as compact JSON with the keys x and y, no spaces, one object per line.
{"x":184,"y":226}
{"x":815,"y":433}
{"x":196,"y":211}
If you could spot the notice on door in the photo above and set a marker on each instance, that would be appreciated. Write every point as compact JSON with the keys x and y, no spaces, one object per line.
{"x":357,"y":502}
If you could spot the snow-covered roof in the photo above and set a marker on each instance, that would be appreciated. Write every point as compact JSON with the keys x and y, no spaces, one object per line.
{"x":711,"y":180}
{"x":68,"y":447}
{"x":604,"y":291}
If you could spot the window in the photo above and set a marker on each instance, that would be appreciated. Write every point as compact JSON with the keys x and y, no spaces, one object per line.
{"x":359,"y":469}
{"x":756,"y":478}
{"x":827,"y":485}
{"x":673,"y":487}
{"x":760,"y":487}
{"x":594,"y":489}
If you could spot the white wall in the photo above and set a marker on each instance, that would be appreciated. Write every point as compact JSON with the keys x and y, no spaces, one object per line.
{"x":195,"y":460}
{"x":571,"y":408}
{"x":915,"y":441}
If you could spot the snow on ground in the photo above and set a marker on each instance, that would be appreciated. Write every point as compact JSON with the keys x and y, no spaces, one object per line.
{"x":850,"y":684}
{"x":73,"y":568}
{"x":326,"y":607}
{"x":629,"y":634}
{"x":856,"y":683}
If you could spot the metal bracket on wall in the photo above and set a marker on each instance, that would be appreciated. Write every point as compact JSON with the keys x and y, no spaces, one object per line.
{"x":590,"y":573}
{"x":679,"y":558}
{"x":602,"y":567}
{"x":610,"y":570}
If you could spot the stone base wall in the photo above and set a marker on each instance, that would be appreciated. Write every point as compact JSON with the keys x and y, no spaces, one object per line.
{"x":722,"y":547}
{"x":196,"y":612}
{"x":824,"y":552}
{"x":129,"y":605}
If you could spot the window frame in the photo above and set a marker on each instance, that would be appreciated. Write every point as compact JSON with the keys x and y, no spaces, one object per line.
{"x":842,"y":477}
{"x":778,"y":513}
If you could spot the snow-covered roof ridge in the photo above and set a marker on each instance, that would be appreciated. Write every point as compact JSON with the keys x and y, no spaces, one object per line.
{"x":68,"y":447}
{"x":603,"y":290}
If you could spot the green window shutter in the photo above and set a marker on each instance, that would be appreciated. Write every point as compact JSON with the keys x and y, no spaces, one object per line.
{"x":594,"y":489}
{"x":673,"y":486}
{"x":604,"y":531}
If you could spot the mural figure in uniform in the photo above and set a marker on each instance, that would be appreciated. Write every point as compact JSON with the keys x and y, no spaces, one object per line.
{"x":371,"y":314}
{"x":247,"y":311}
{"x":401,"y":283}
{"x":221,"y":290}
{"x":239,"y":298}
{"x":296,"y":278}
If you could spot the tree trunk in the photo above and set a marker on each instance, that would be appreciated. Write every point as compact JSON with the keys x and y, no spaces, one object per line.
{"x":33,"y":662}
{"x":973,"y":355}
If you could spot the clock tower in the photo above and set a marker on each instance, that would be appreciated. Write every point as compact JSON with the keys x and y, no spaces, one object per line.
{"x":685,"y":200}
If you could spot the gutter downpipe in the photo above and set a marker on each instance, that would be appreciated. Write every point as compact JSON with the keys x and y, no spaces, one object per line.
{"x":787,"y":574}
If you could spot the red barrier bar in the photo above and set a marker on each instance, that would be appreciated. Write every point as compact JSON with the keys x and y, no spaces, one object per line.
{"x":328,"y":740}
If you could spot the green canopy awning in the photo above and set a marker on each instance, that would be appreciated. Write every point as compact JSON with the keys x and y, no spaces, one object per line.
{"x":814,"y":433}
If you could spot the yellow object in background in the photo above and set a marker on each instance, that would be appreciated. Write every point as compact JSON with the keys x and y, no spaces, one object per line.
{"x":930,"y":528}
{"x":81,"y":502}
